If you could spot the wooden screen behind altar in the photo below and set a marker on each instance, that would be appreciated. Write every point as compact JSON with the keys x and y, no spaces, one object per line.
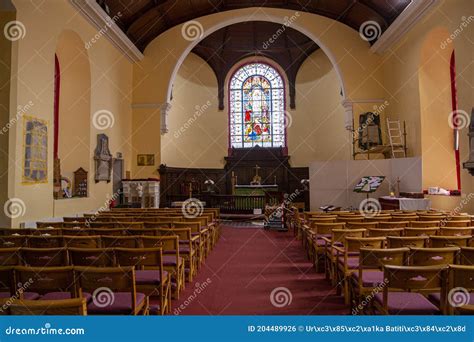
{"x":35,"y":159}
{"x":257,"y":107}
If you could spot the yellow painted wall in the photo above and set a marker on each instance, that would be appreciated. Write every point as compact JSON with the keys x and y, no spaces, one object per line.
{"x":74,"y":104}
{"x":111,"y":89}
{"x":424,"y":106}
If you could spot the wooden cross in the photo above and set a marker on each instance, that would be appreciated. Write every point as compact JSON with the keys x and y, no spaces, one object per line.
{"x":256,"y":169}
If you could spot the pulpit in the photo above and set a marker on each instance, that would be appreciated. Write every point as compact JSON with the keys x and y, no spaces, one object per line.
{"x":145,"y":192}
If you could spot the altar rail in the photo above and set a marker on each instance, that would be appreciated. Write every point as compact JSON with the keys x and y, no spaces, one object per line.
{"x":232,"y":204}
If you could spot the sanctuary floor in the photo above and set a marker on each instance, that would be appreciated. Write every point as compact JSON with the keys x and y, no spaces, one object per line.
{"x":245,"y":267}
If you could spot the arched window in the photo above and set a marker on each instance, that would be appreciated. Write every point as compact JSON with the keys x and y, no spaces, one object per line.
{"x":257,"y":107}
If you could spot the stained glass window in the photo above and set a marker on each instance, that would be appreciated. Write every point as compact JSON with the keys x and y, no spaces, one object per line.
{"x":257,"y":107}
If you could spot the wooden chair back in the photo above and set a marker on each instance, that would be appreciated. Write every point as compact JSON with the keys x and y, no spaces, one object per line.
{"x":81,"y":219}
{"x":466,"y":256}
{"x":326,"y":228}
{"x":90,"y":241}
{"x":363,"y":225}
{"x":10,"y":256}
{"x":413,"y":278}
{"x":69,"y":307}
{"x":407,"y":241}
{"x":44,"y":257}
{"x":49,"y":224}
{"x":107,"y":231}
{"x":354,"y":244}
{"x":44,"y":241}
{"x":120,"y":241}
{"x":455,"y":231}
{"x":46,"y":231}
{"x":339,"y":235}
{"x":394,"y":224}
{"x":101,"y":224}
{"x":456,"y":223}
{"x":46,"y":279}
{"x":433,"y":256}
{"x":141,"y":231}
{"x":75,"y":231}
{"x":370,"y":258}
{"x":420,"y":231}
{"x":95,"y":257}
{"x":450,"y":241}
{"x":385,"y":232}
{"x":13,"y":241}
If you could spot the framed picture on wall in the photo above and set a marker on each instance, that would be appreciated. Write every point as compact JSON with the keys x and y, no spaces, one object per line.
{"x":35,"y":149}
{"x":145,"y":159}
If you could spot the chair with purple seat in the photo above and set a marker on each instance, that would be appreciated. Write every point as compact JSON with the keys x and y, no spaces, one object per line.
{"x":44,"y":257}
{"x":172,"y":261}
{"x":51,"y":283}
{"x":315,"y":242}
{"x":433,"y":256}
{"x":74,"y":306}
{"x":186,"y":249}
{"x":10,"y":256}
{"x":347,"y":259}
{"x":450,"y":241}
{"x":150,"y":276}
{"x":113,"y":290}
{"x":90,"y":241}
{"x":121,"y":241}
{"x":466,"y":256}
{"x":45,"y":241}
{"x":407,"y":241}
{"x":406,"y":288}
{"x":200,"y":238}
{"x":96,"y":257}
{"x":369,"y":277}
{"x":337,"y":239}
{"x":460,"y":292}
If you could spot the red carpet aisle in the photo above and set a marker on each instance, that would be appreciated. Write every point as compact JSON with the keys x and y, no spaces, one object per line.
{"x":243,"y":270}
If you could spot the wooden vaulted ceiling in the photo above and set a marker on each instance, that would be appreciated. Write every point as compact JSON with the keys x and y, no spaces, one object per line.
{"x":144,"y":20}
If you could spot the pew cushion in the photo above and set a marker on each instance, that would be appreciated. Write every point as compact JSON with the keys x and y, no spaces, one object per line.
{"x":408,"y":303}
{"x":149,"y":277}
{"x":121,"y":304}
{"x":63,"y":295}
{"x":369,"y":278}
{"x":26,"y":295}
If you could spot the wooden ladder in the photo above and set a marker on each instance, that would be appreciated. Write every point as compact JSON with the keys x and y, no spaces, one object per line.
{"x":396,"y":139}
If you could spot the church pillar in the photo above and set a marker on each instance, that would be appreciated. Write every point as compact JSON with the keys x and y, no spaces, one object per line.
{"x":164,"y":109}
{"x":349,"y":114}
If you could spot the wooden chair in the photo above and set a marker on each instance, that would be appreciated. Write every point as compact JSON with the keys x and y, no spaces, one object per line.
{"x":12,"y":241}
{"x":456,"y":223}
{"x":460,"y":277}
{"x":458,"y":231}
{"x":44,"y":241}
{"x":186,"y":249}
{"x":10,"y":256}
{"x":378,"y":219}
{"x":90,"y":241}
{"x":7,"y":285}
{"x":75,"y":306}
{"x":393,"y":224}
{"x":96,"y":257}
{"x":369,"y":277}
{"x":75,"y":225}
{"x":121,"y":241}
{"x":348,"y":259}
{"x":75,"y":231}
{"x":4,"y":232}
{"x":420,"y":231}
{"x":338,"y":238}
{"x":432,"y":256}
{"x":129,"y":225}
{"x":101,"y":224}
{"x":52,"y":283}
{"x":407,"y":241}
{"x":44,"y":257}
{"x":201,"y":238}
{"x":172,"y":261}
{"x":313,"y":242}
{"x":450,"y":241}
{"x":141,"y":231}
{"x":385,"y":232}
{"x":405,"y":289}
{"x":423,"y":224}
{"x":466,"y":256}
{"x":150,"y":276}
{"x":107,"y":231}
{"x":46,"y":232}
{"x":361,"y":225}
{"x":114,"y":289}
